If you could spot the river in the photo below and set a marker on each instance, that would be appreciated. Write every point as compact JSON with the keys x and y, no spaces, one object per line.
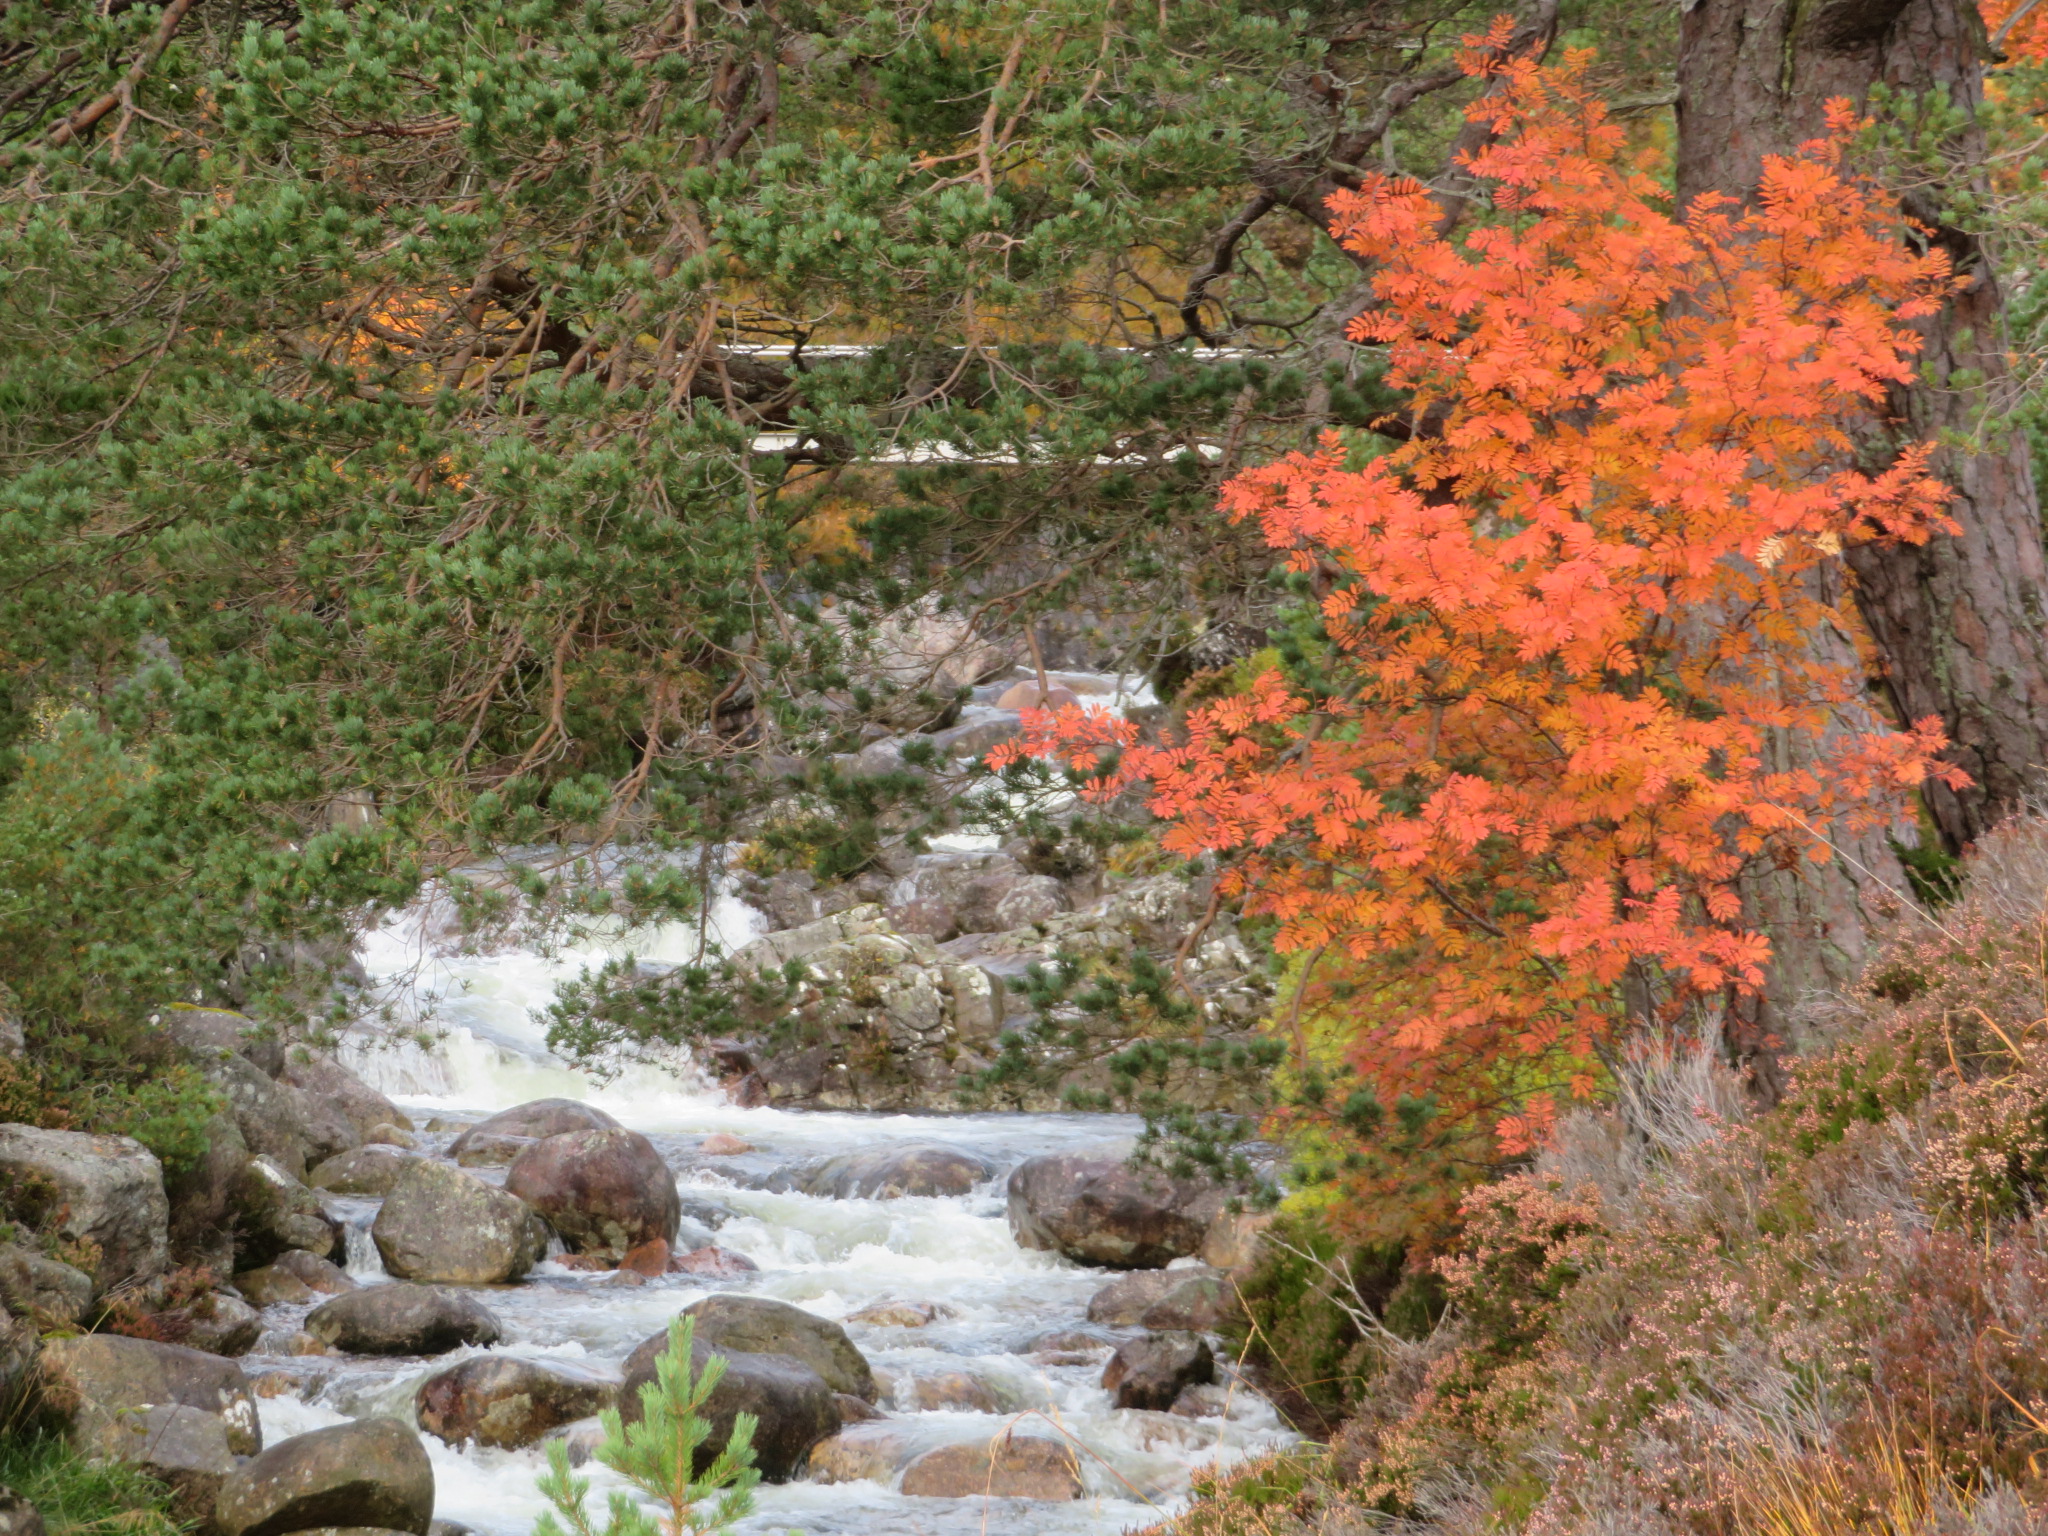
{"x":830,"y":1256}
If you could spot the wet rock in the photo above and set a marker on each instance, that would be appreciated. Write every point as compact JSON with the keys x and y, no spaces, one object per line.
{"x":18,"y":1517}
{"x":792,"y":1404}
{"x":42,"y":1289}
{"x":604,"y":1191}
{"x":898,"y":1314}
{"x":649,"y":1259}
{"x":101,"y":1384}
{"x":274,"y":1213}
{"x":1010,"y":1466}
{"x":961,"y":1391}
{"x":723,"y":1144}
{"x":1100,"y":1210}
{"x":402,"y":1320}
{"x":709,"y":1212}
{"x":853,"y":1411}
{"x":888,"y":1173}
{"x":491,"y":1150}
{"x":108,"y":1190}
{"x":508,"y":1403}
{"x":1197,"y":1299}
{"x":712,"y":1263}
{"x":537,"y":1119}
{"x":366,"y":1170}
{"x":371,"y":1473}
{"x":385,"y":1134}
{"x":442,"y":1225}
{"x":860,"y":1453}
{"x":323,"y":1080}
{"x":760,"y":1326}
{"x":1152,"y":1372}
{"x":1203,"y":1402}
{"x":295,"y":1278}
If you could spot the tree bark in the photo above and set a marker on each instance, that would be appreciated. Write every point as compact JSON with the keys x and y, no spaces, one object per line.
{"x":1957,"y":621}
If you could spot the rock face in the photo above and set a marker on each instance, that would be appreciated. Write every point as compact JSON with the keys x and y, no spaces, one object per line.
{"x":538,"y":1118}
{"x":946,"y":895}
{"x":274,"y":1213}
{"x":1152,"y":1372}
{"x":1098,"y":1210}
{"x":792,"y":1403}
{"x":372,"y":1473}
{"x":108,"y":1190}
{"x":508,"y":1403}
{"x":442,"y":1225}
{"x":323,"y":1080}
{"x":296,"y":1277}
{"x":1007,"y":1467}
{"x":402,"y":1320}
{"x":366,"y":1170}
{"x":887,"y":1173}
{"x":37,"y":1288}
{"x":1196,"y":1299}
{"x":605,"y":1190}
{"x":757,"y":1325}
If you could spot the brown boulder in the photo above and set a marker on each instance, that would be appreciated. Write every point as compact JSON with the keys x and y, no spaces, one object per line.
{"x":489,"y":1150}
{"x":603,"y":1191}
{"x":508,"y":1403}
{"x":1011,"y":1466}
{"x":402,"y":1320}
{"x":791,"y":1403}
{"x":535,"y":1119}
{"x":274,"y":1213}
{"x":326,"y":1081}
{"x":1197,"y":1299}
{"x":95,"y":1381}
{"x":107,"y":1190}
{"x":860,"y":1453}
{"x":368,"y":1170}
{"x":1153,"y":1371}
{"x":730,"y":1323}
{"x":442,"y":1225}
{"x":712,"y":1263}
{"x":1100,"y":1210}
{"x":888,"y":1173}
{"x":296,"y":1278}
{"x":371,"y":1473}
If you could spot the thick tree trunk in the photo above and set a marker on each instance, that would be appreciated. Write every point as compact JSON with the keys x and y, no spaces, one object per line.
{"x":1958,"y":621}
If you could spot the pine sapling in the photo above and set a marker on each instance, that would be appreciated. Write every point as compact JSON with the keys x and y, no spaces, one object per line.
{"x":658,"y":1456}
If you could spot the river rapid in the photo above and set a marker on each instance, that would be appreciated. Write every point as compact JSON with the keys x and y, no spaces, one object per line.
{"x":832,"y":1257}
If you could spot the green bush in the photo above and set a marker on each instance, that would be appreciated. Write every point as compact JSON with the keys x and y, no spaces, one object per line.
{"x":79,"y":1496}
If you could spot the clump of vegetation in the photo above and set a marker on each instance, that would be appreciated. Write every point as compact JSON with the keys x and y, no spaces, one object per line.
{"x":81,"y":1497}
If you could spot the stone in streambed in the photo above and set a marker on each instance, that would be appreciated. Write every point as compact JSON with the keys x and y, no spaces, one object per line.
{"x":899,"y":1314}
{"x":1175,"y":1299}
{"x":791,"y":1402}
{"x":712,"y":1263}
{"x":867,"y":1452}
{"x":604,"y":1191}
{"x":536,"y":1119}
{"x":508,"y":1403}
{"x":491,"y":1151}
{"x":1008,"y":1467}
{"x":402,"y":1320}
{"x":371,"y":1473}
{"x":295,"y":1278}
{"x":274,"y":1213}
{"x":755,"y":1324}
{"x":1153,"y":1371}
{"x":1100,"y":1210}
{"x":442,"y":1225}
{"x":889,"y":1173}
{"x":368,"y":1170}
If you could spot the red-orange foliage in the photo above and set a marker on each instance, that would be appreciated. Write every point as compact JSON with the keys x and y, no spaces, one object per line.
{"x":1566,"y":615}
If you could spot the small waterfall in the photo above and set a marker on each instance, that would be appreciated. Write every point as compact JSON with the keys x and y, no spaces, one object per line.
{"x":362,"y":1262}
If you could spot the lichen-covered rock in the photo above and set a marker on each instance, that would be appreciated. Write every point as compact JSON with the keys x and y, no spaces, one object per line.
{"x":182,"y":1412}
{"x":507,"y":1403}
{"x":792,"y":1404}
{"x":444,"y":1226}
{"x":1153,"y":1371}
{"x":41,"y":1289}
{"x":106,"y":1190}
{"x":274,"y":1119}
{"x":371,"y":1473}
{"x":888,"y":1173}
{"x":536,"y":1119}
{"x":1196,"y":1298}
{"x":1100,"y":1210}
{"x":604,"y":1191}
{"x":947,"y":894}
{"x":402,"y":1320}
{"x":295,"y":1278}
{"x":1011,"y":1466}
{"x":365,"y":1170}
{"x":274,"y":1213}
{"x":761,"y":1326}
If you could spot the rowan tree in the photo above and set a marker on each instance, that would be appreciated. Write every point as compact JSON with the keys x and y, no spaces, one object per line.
{"x":1561,"y":624}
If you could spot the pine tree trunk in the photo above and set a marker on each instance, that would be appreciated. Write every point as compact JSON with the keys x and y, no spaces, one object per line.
{"x":1958,"y":621}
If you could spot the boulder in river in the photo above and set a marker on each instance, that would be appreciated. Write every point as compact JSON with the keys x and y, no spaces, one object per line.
{"x":370,"y":1473}
{"x":711,"y":1262}
{"x":442,"y":1225}
{"x":507,"y":1403}
{"x":888,"y":1173}
{"x":402,"y":1320}
{"x":274,"y":1213}
{"x":865,"y":1452}
{"x":898,"y":1314}
{"x":1100,"y":1210}
{"x":605,"y":1190}
{"x":296,"y":1277}
{"x":791,"y":1402}
{"x":1194,"y":1298}
{"x":1152,"y":1372}
{"x":366,"y":1170}
{"x":1011,"y":1466}
{"x":107,"y":1190}
{"x":760,"y":1326}
{"x":536,"y":1119}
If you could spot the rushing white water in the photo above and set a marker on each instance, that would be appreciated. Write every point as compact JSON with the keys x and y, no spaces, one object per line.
{"x":831,"y":1257}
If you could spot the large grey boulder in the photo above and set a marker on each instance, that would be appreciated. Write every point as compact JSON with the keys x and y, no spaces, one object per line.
{"x":1011,"y":1466}
{"x":402,"y":1320}
{"x":42,"y":1289}
{"x":1198,"y":1298}
{"x":537,"y":1118}
{"x":1153,"y":1371}
{"x":793,"y":1406}
{"x":1100,"y":1210}
{"x":369,"y":1170}
{"x":755,"y":1324}
{"x":442,"y":1225}
{"x":274,"y":1214}
{"x":371,"y":1473}
{"x":506,"y":1403}
{"x":604,"y":1190}
{"x":209,"y":1033}
{"x":106,"y":1190}
{"x":887,"y":1173}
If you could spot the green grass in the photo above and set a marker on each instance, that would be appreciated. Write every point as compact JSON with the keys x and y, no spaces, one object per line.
{"x":77,"y":1496}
